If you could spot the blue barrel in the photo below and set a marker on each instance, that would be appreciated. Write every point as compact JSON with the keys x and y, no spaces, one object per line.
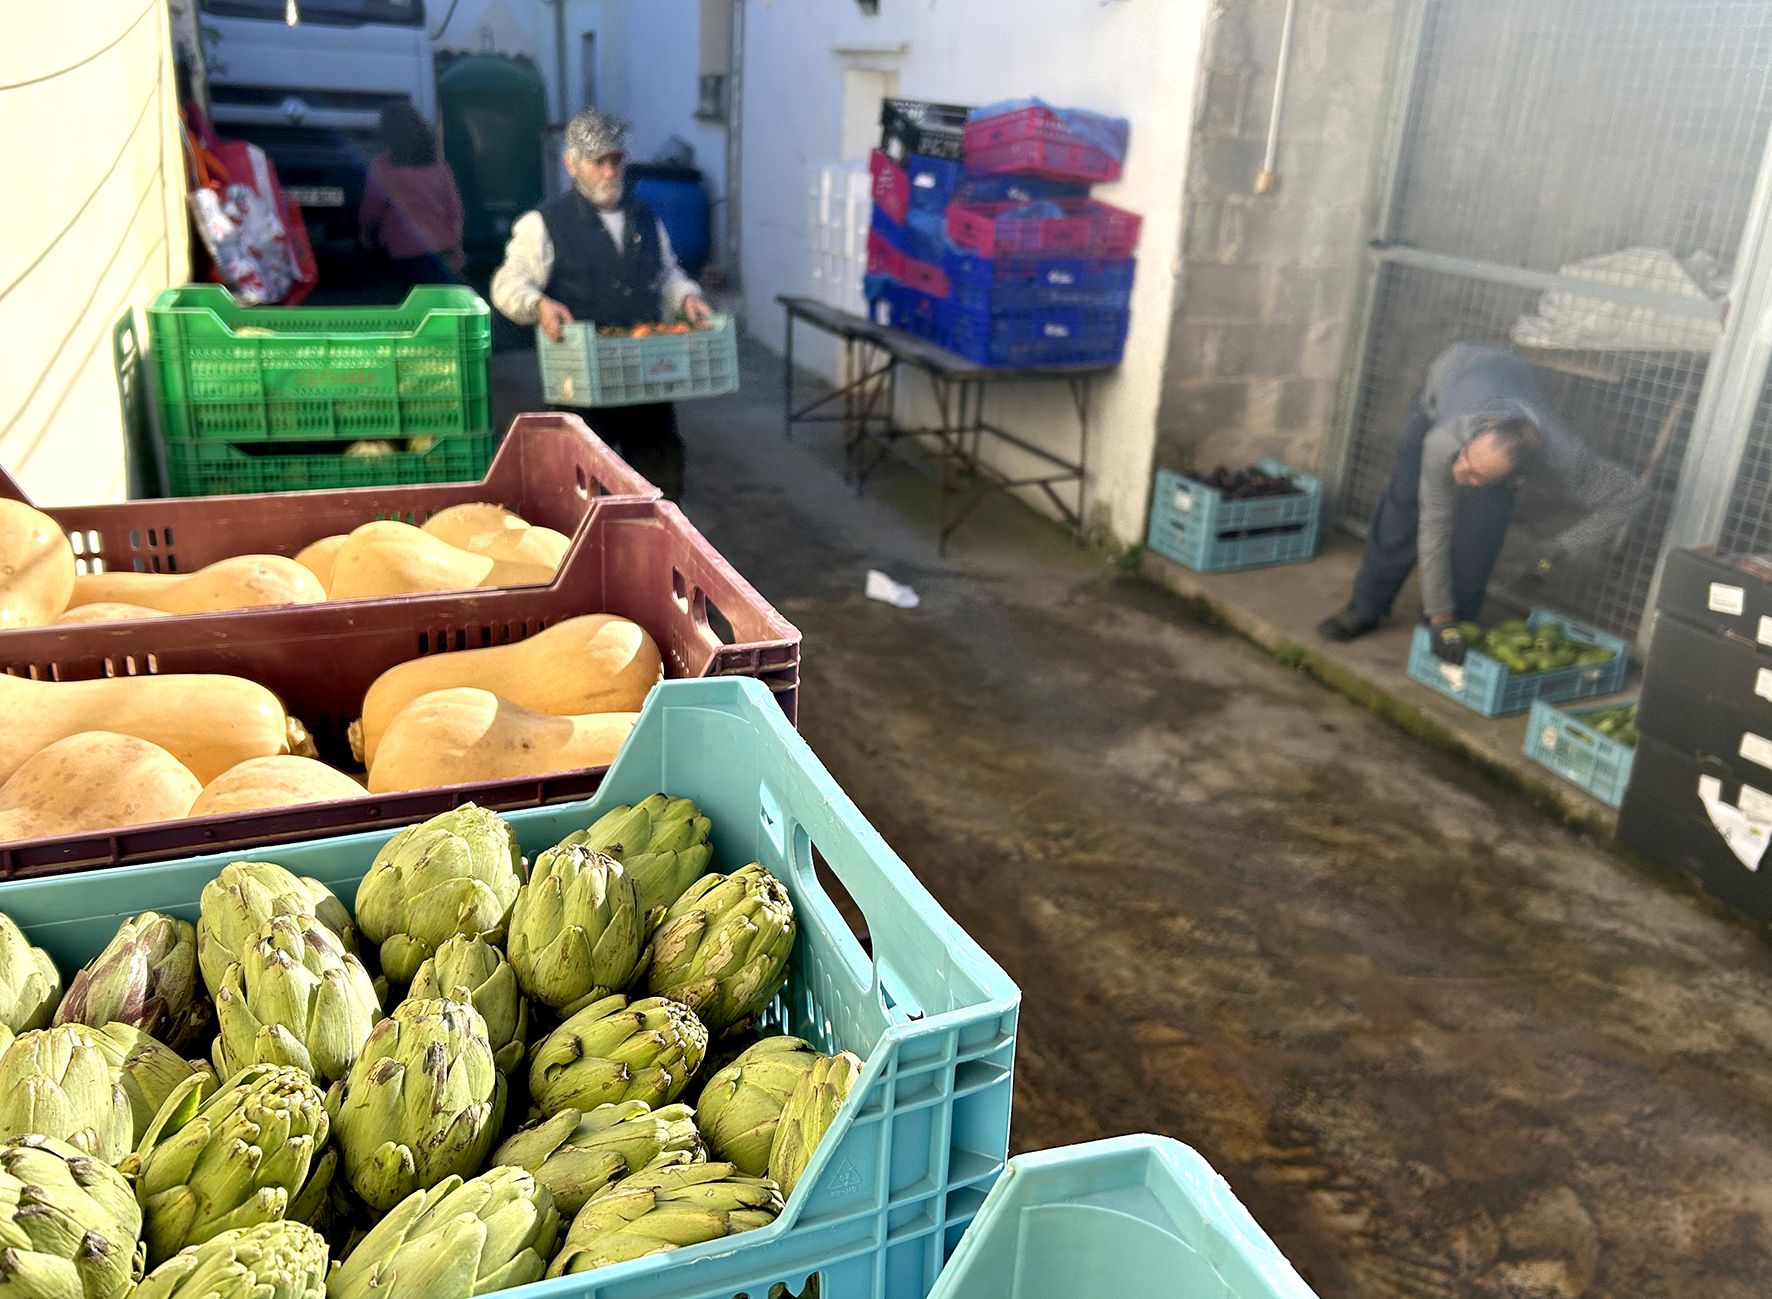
{"x":679,"y":198}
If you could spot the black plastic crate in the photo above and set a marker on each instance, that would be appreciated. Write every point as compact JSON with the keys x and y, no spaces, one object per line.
{"x":910,"y":126}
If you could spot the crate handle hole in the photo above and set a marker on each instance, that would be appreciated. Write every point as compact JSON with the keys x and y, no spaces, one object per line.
{"x":583,"y":482}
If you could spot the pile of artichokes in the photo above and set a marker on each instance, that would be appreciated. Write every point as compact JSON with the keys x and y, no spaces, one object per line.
{"x":480,"y":1077}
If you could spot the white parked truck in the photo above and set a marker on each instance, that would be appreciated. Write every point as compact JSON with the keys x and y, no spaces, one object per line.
{"x":310,"y":92}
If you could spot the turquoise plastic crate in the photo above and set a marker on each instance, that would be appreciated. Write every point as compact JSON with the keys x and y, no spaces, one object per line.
{"x":1558,"y":740}
{"x":925,"y":1131}
{"x":1194,"y":524}
{"x":322,"y":374}
{"x":1493,"y":689}
{"x":1131,"y":1217}
{"x":586,"y":369}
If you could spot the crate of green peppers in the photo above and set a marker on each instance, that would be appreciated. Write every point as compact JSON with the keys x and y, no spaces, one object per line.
{"x":1507,"y":666}
{"x":1592,"y":747}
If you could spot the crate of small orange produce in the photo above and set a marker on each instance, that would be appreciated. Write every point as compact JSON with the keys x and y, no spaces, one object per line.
{"x":620,"y":365}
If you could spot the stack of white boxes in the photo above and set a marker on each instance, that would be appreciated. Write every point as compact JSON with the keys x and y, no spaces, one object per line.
{"x":840,"y":207}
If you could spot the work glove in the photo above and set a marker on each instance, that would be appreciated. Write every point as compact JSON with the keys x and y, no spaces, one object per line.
{"x":1449,"y":644}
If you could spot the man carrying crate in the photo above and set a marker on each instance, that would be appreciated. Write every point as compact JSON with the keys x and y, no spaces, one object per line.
{"x":596,"y":253}
{"x":1481,"y":422}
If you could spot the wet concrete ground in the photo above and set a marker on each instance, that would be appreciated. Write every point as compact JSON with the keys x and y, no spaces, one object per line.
{"x":1437,"y":1044}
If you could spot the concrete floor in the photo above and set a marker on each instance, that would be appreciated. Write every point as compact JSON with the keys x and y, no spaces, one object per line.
{"x":1439,"y":1044}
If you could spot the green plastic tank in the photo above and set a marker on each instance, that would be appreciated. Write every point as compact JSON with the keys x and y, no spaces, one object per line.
{"x":494,"y":111}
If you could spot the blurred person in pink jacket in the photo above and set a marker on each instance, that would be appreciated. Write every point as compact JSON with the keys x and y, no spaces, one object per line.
{"x":411,"y":211}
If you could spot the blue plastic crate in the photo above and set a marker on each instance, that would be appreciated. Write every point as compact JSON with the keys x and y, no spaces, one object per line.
{"x":902,"y":307}
{"x":1558,"y":740}
{"x":1492,"y":689}
{"x":1055,"y":336}
{"x":1012,"y":284}
{"x":925,"y":1131}
{"x":1132,"y":1217}
{"x":1195,"y":525}
{"x":933,"y":181}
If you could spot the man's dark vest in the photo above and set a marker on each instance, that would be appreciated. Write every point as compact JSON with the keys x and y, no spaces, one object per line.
{"x":593,"y":279}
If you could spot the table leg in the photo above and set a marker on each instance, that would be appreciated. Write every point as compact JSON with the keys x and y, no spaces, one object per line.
{"x":787,"y":382}
{"x":1080,"y":396}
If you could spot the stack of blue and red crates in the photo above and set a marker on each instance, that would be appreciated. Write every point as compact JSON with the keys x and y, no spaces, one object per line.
{"x":985,"y":239}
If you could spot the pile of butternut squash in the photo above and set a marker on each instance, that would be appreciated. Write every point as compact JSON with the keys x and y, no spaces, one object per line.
{"x":80,"y":756}
{"x":459,"y":548}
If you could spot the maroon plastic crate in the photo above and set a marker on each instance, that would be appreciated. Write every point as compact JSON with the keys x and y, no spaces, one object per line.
{"x":551,"y":469}
{"x":1083,"y":227}
{"x":640,"y":559}
{"x":1036,"y":141}
{"x":892,"y":186}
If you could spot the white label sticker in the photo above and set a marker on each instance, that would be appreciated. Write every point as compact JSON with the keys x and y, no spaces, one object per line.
{"x":1453,"y":675}
{"x":1184,"y":501}
{"x":1757,"y":748}
{"x":1745,"y":836}
{"x":1756,"y":803}
{"x":1548,"y":737}
{"x":1727,"y":599}
{"x":1763,"y":683}
{"x":1765,"y":633}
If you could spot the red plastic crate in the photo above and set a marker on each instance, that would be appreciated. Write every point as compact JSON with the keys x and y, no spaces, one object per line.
{"x":883,"y":258}
{"x":640,"y":559}
{"x":1037,"y":141}
{"x":551,"y":469}
{"x":892,"y":186}
{"x":1084,"y":227}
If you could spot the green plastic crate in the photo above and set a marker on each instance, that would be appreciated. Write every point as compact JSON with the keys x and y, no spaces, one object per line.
{"x":224,"y":469}
{"x":586,"y":369}
{"x":235,"y":374}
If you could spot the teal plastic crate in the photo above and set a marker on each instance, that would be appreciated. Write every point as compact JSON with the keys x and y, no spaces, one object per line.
{"x":227,"y":469}
{"x":326,"y":374}
{"x":1558,"y":740}
{"x":1493,"y":689}
{"x":925,"y":1131}
{"x":1195,"y":525}
{"x":1132,"y":1217}
{"x":586,"y":369}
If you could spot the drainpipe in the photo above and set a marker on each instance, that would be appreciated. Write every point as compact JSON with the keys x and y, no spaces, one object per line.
{"x":560,"y":56}
{"x":735,"y":156}
{"x":1268,"y":179}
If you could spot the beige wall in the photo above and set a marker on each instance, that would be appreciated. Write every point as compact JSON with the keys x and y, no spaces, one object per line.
{"x":92,"y":226}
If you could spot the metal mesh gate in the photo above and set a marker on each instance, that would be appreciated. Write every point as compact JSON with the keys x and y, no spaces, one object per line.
{"x":1572,"y":177}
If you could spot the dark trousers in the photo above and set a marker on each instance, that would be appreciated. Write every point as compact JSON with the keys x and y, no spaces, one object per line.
{"x":1477,"y":533}
{"x":645,"y":436}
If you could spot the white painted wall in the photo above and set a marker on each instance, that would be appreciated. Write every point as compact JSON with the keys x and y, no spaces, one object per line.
{"x":95,"y":228}
{"x":1135,"y":58}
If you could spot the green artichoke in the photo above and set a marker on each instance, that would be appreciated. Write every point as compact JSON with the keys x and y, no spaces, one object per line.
{"x":296,"y":997}
{"x":238,"y":1159}
{"x":576,"y":1153}
{"x":30,"y":985}
{"x":424,"y":1100}
{"x":96,"y":1089}
{"x":576,"y":929}
{"x":457,"y":873}
{"x":271,"y":1260}
{"x":468,"y":968}
{"x":741,"y":1105}
{"x":146,"y":976}
{"x":68,"y":1223}
{"x":614,"y":1050}
{"x":723,"y":947}
{"x":808,"y":1116}
{"x":663,"y":1208}
{"x":661,"y":842}
{"x":456,"y":1240}
{"x":238,"y":901}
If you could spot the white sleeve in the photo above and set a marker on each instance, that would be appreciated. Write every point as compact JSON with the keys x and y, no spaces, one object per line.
{"x":674,"y":286}
{"x":529,"y":260}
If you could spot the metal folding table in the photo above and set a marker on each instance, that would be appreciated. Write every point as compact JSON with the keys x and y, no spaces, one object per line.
{"x":874,"y":355}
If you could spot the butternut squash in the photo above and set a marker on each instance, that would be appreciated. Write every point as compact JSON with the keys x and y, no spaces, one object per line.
{"x":243,"y":582}
{"x":318,"y":557}
{"x":595,"y":663}
{"x":388,"y":557}
{"x":208,"y":722}
{"x":498,"y":533}
{"x":36,"y":567}
{"x":108,"y":611}
{"x":282,"y":781}
{"x":466,"y":736}
{"x":94,"y":780}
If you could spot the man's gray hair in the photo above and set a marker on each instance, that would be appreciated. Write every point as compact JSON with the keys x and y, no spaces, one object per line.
{"x":592,"y":134}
